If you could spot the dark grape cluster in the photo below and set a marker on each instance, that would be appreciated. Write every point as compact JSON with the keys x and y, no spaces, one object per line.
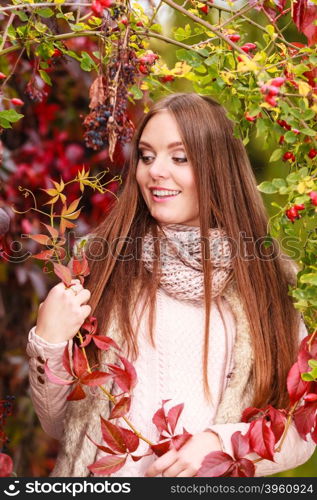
{"x":96,"y":123}
{"x":117,"y":11}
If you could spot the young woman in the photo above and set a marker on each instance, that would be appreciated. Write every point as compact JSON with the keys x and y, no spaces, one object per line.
{"x":180,"y":278}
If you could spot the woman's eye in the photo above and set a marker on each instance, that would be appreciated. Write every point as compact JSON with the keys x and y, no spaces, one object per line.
{"x":145,"y":158}
{"x":180,"y":160}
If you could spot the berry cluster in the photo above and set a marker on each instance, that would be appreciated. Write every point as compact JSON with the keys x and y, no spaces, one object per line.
{"x":112,"y":113}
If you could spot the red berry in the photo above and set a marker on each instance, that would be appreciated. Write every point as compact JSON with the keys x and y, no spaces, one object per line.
{"x":313,"y":197}
{"x":143,"y":69}
{"x":250,"y":118}
{"x":292,"y":214}
{"x":17,"y":102}
{"x":248,"y":46}
{"x":105,"y":3}
{"x":288,"y":156}
{"x":204,"y":9}
{"x":2,"y":76}
{"x":300,"y":207}
{"x":139,"y":23}
{"x":57,"y":53}
{"x":277,"y":82}
{"x":312,"y":153}
{"x":271,"y":100}
{"x":167,"y":78}
{"x":124,"y":21}
{"x":283,"y":124}
{"x":311,"y":397}
{"x":234,"y":37}
{"x":296,"y":131}
{"x":281,"y":141}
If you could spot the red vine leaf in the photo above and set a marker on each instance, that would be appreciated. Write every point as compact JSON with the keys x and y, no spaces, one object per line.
{"x":240,"y":445}
{"x":90,"y":324}
{"x":304,"y":14}
{"x":43,"y":239}
{"x":179,"y":440}
{"x":173,"y":416}
{"x":108,"y":465}
{"x":159,"y":419}
{"x":45,"y":255}
{"x":304,"y":418}
{"x":103,"y":342}
{"x":215,"y":464}
{"x":102,"y":448}
{"x":125,"y":378}
{"x":54,"y":378}
{"x":95,"y":378}
{"x":112,"y":435}
{"x":262,"y":439}
{"x":243,"y":468}
{"x":296,"y":386}
{"x":121,"y":408}
{"x":79,"y":362}
{"x":161,"y":448}
{"x":77,"y":394}
{"x":130,"y":438}
{"x":63,"y":273}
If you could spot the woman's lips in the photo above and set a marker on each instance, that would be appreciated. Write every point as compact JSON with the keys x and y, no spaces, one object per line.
{"x":165,"y":198}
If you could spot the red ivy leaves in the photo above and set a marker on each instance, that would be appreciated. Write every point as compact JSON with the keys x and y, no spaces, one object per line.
{"x":6,"y":465}
{"x":80,"y":373}
{"x":121,"y":408}
{"x":166,"y":425}
{"x":126,"y":377}
{"x":220,"y":464}
{"x":304,"y":15}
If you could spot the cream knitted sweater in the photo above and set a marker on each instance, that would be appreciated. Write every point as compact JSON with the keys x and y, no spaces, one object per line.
{"x":173,"y":370}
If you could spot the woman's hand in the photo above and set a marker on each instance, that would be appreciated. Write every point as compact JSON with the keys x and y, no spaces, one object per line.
{"x":188,"y":459}
{"x":63,"y":312}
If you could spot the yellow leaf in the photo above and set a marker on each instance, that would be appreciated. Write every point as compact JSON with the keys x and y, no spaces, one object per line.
{"x":303,"y":88}
{"x":301,"y":188}
{"x":144,"y":86}
{"x":51,"y":201}
{"x":247,"y":65}
{"x":50,"y":192}
{"x":181,"y":68}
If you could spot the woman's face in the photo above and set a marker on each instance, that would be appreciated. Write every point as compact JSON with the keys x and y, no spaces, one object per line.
{"x":163,"y":169}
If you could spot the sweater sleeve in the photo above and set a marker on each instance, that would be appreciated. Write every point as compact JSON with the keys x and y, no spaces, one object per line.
{"x":295,"y":450}
{"x":49,"y":400}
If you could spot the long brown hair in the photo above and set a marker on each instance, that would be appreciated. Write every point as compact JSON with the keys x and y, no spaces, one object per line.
{"x":228,"y":198}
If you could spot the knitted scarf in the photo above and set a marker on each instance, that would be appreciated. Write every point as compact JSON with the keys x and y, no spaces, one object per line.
{"x":181,"y":260}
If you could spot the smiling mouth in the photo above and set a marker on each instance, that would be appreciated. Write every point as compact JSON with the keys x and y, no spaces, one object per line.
{"x":164,"y":194}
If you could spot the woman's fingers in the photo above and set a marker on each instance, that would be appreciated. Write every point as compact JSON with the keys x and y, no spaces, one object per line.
{"x":86,"y":310}
{"x":162,"y":463}
{"x":83,"y":295}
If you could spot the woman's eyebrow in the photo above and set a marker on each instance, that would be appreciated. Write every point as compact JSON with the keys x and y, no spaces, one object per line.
{"x":171,"y":145}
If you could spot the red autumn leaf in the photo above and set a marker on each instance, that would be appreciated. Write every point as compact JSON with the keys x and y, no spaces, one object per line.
{"x":63,"y":273}
{"x":45,"y":255}
{"x":79,"y":362}
{"x":79,"y":267}
{"x":179,"y":440}
{"x":108,"y":465}
{"x":161,"y":448}
{"x":112,"y":435}
{"x":278,"y":420}
{"x":95,"y":378}
{"x":262,"y":439}
{"x":43,"y":239}
{"x":90,"y":324}
{"x":104,"y":343}
{"x":296,"y":386}
{"x":121,"y":408}
{"x":249,"y":413}
{"x":304,"y":16}
{"x":136,"y":459}
{"x":243,"y":468}
{"x":53,"y":232}
{"x":240,"y":445}
{"x":304,"y":418}
{"x":159,"y":419}
{"x":102,"y":448}
{"x":54,"y":378}
{"x":302,"y":359}
{"x":173,"y":416}
{"x":130,"y":371}
{"x":215,"y":464}
{"x":130,"y":438}
{"x":125,"y":378}
{"x":77,"y":394}
{"x":6,"y":465}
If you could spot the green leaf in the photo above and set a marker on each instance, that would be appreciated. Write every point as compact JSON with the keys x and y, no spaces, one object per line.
{"x":267,"y":187}
{"x":10,"y":115}
{"x":279,"y":182}
{"x":45,"y":77}
{"x":307,"y":377}
{"x":87,"y":63}
{"x":276,"y":155}
{"x":136,"y":91}
{"x":22,"y":15}
{"x":157,"y":28}
{"x":308,"y":114}
{"x":299,"y":69}
{"x":310,"y":278}
{"x":290,"y":137}
{"x":4,"y":123}
{"x":309,"y":131}
{"x":45,"y":12}
{"x":293,"y":178}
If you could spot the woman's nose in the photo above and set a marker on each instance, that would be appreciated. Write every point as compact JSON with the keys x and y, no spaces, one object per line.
{"x":159,"y":168}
